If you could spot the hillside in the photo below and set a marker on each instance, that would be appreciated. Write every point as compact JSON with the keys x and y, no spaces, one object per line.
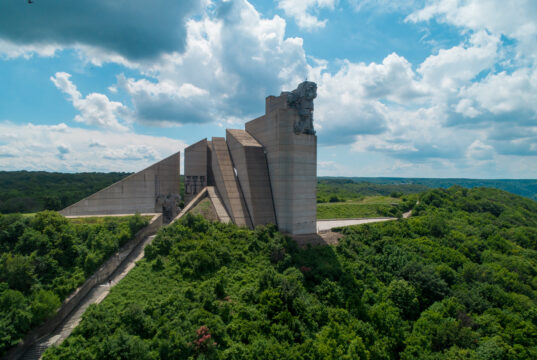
{"x":44,"y":258}
{"x":32,"y":191}
{"x":522,"y":187}
{"x":367,"y":207}
{"x":341,"y":189}
{"x":456,"y":281}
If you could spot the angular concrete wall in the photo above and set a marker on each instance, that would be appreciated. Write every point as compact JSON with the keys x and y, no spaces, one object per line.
{"x":227,"y":184}
{"x":196,"y":158}
{"x":292,"y":162}
{"x":142,"y":192}
{"x":249,"y":159}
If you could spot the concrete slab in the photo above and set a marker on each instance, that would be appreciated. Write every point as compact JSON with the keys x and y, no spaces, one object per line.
{"x":250,"y":162}
{"x":143,"y":192}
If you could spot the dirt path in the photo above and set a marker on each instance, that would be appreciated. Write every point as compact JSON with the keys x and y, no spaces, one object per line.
{"x":95,"y":296}
{"x":408,"y":214}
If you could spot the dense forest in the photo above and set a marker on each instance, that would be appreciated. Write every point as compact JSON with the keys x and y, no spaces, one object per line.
{"x":44,"y":258}
{"x":522,"y":187}
{"x":368,"y":207}
{"x":342,"y":189}
{"x":32,"y":191}
{"x":458,"y":280}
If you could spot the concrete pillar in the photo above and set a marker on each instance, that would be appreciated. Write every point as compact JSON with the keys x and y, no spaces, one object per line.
{"x":196,"y":164}
{"x":249,"y":159}
{"x":292,"y":163}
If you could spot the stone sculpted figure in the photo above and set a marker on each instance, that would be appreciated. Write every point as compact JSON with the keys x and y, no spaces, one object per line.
{"x":170,"y":206}
{"x":302,"y":99}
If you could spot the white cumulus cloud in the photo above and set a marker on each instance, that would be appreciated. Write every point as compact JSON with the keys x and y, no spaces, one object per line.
{"x":95,"y":109}
{"x":71,"y":149}
{"x":300,"y":11}
{"x":234,"y":57}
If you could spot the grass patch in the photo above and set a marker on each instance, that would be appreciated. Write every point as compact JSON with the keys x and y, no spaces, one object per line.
{"x":205,"y":209}
{"x":371,"y":206}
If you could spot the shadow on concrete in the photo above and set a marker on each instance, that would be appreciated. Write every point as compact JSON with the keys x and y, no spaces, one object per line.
{"x":322,"y":238}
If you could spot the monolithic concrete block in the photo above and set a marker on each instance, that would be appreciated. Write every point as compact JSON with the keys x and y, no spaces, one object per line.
{"x":139,"y":192}
{"x":249,"y":160}
{"x":227,"y":184}
{"x":292,"y":163}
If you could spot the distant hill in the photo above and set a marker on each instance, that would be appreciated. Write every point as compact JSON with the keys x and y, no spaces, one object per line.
{"x":523,"y":187}
{"x":341,"y":189}
{"x":32,"y":191}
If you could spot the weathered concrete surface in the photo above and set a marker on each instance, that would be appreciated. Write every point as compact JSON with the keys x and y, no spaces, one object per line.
{"x":37,"y":340}
{"x":249,"y":159}
{"x":143,"y":192}
{"x":292,"y":162}
{"x":219,"y":208}
{"x":196,"y":176}
{"x":193,"y":202}
{"x":227,"y":184}
{"x":107,"y":215}
{"x":305,"y":240}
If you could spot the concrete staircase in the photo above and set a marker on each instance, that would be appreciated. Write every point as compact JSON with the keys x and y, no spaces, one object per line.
{"x":252,"y":171}
{"x":36,"y":351}
{"x":97,"y":294}
{"x":219,"y":208}
{"x":227,"y":184}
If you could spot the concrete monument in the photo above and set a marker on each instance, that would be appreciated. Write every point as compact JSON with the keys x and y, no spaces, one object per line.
{"x":152,"y":190}
{"x":266,"y":173}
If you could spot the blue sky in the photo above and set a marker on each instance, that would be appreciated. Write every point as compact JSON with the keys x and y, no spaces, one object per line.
{"x":415,"y":88}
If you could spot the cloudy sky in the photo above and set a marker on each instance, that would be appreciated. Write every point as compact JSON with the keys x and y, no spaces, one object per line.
{"x":416,"y":88}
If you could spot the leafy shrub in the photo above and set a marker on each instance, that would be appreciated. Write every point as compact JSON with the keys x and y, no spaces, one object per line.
{"x":456,"y":281}
{"x":46,"y":257}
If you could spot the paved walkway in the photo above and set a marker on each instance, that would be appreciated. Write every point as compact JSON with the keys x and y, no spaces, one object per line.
{"x":325,"y":225}
{"x":95,"y":296}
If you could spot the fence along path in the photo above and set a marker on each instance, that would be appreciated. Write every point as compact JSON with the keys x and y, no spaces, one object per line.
{"x":95,"y":296}
{"x":97,"y":287}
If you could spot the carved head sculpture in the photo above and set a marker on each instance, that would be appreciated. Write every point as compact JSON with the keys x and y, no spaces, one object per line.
{"x":302,"y":99}
{"x":306,"y":90}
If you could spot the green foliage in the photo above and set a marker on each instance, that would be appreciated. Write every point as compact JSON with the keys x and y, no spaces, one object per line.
{"x":522,"y":187}
{"x":369,"y":206}
{"x":342,"y":189}
{"x":457,"y":281}
{"x":44,"y":258}
{"x":32,"y":191}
